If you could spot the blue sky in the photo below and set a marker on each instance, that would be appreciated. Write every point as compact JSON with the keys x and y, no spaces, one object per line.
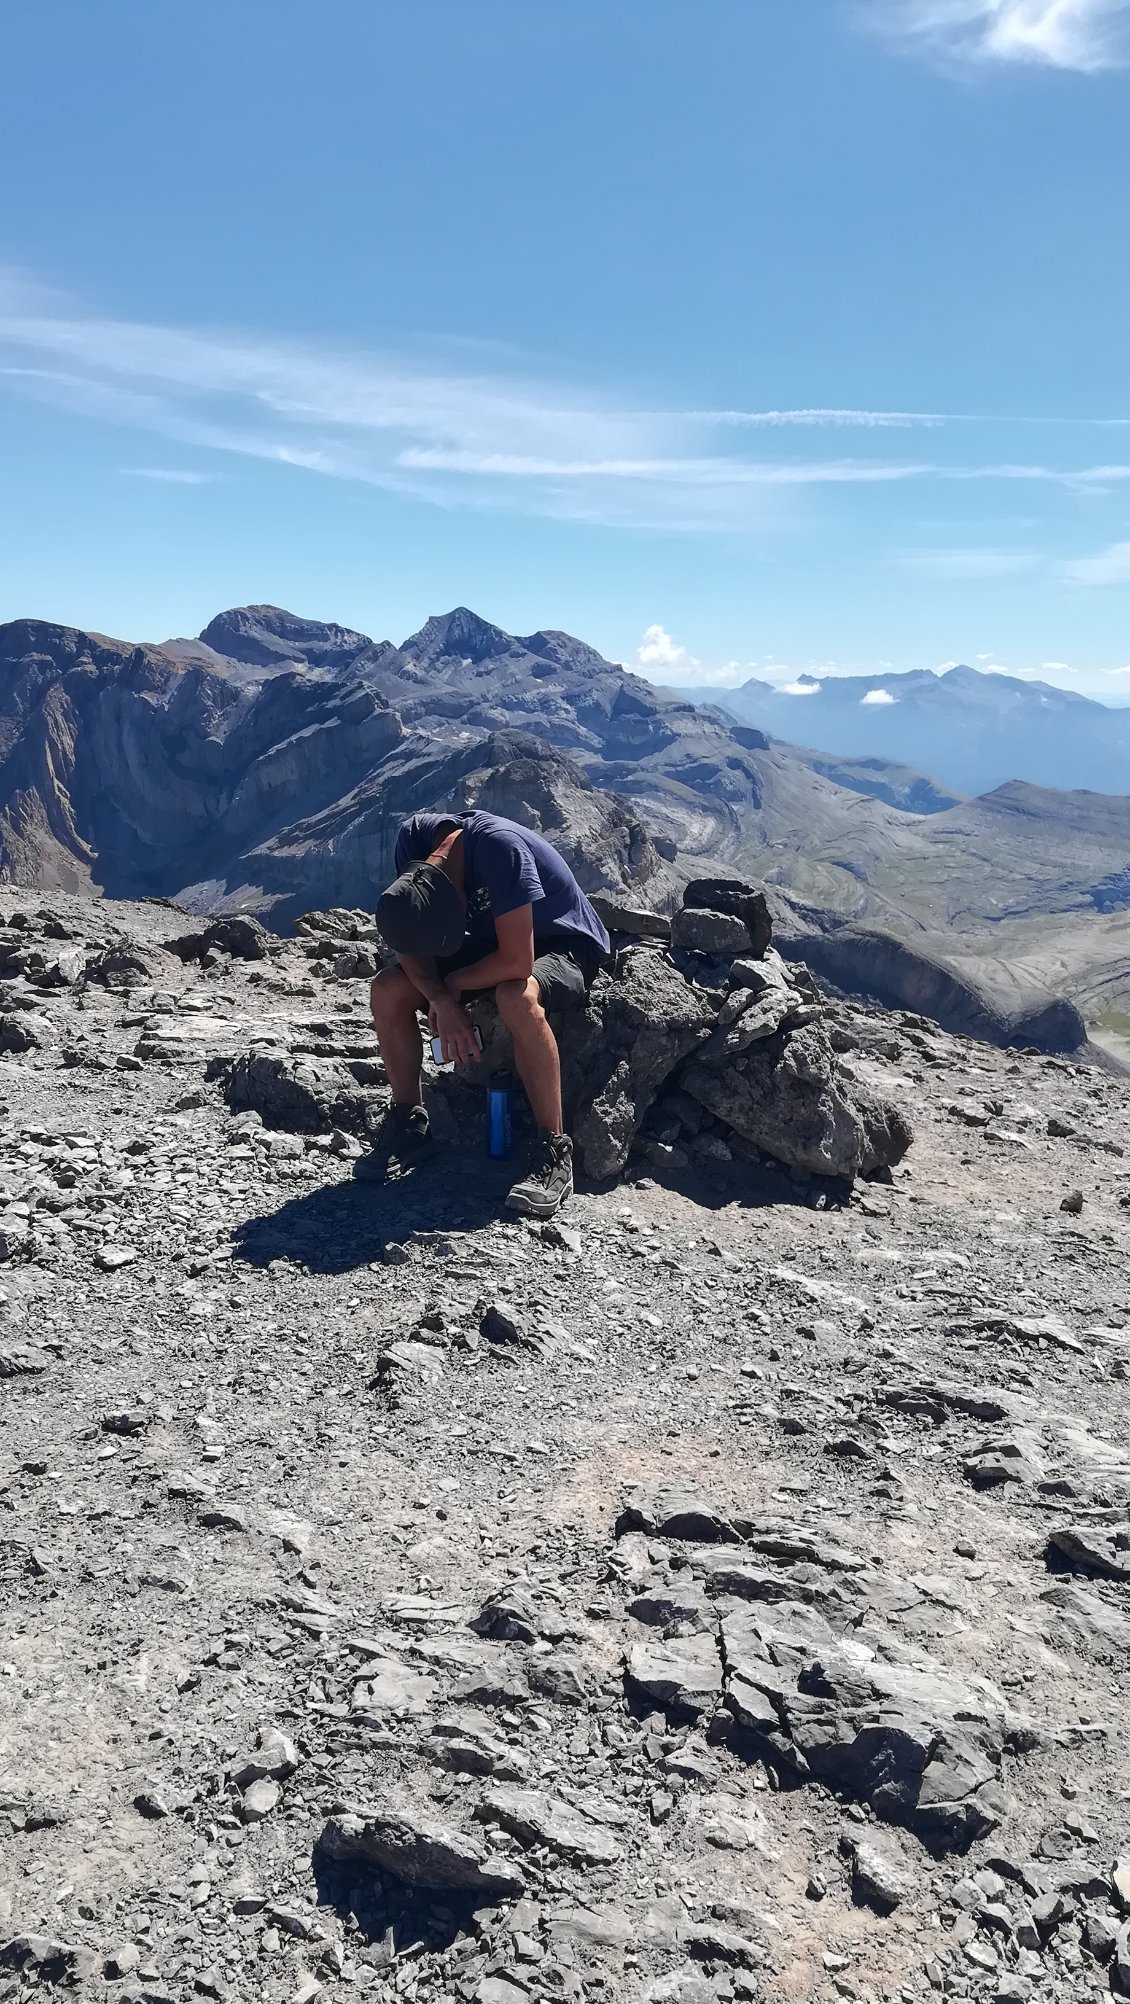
{"x":758,"y":336}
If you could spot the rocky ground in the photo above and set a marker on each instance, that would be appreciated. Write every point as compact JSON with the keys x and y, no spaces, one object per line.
{"x":720,"y":1592}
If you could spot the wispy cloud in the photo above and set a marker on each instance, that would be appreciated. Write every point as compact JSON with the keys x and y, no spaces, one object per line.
{"x":962,"y":562}
{"x":1108,"y":567}
{"x":845,"y":419}
{"x":462,"y":438}
{"x":173,"y":476}
{"x":1085,"y":35}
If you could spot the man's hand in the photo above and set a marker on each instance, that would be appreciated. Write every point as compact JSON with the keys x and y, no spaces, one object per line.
{"x":449,"y":1021}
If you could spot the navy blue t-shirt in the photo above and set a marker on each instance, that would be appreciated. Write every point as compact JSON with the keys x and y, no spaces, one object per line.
{"x":505,"y":867}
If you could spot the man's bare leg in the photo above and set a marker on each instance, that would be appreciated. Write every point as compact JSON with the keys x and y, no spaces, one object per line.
{"x":536,"y":1056}
{"x":394,"y":1003}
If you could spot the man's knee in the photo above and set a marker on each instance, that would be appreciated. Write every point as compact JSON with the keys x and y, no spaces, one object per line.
{"x":392,"y":994}
{"x":518,"y":1002}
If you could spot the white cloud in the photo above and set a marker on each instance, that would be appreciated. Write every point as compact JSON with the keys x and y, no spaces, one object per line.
{"x":835,"y":419}
{"x":1110,"y":566}
{"x":1086,"y":35}
{"x":1057,"y":667}
{"x":804,"y":686}
{"x":175,"y":476}
{"x":657,"y":649}
{"x":982,"y":657}
{"x":878,"y":698}
{"x":974,"y":562}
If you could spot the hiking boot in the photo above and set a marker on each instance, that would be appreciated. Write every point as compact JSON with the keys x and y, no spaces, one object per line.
{"x":403,"y":1136}
{"x":549,"y":1181}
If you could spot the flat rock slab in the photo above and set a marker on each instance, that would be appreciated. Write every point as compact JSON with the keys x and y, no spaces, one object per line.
{"x":918,"y":1741}
{"x":536,"y":1818}
{"x":22,"y":1360}
{"x":433,"y":1856}
{"x":1102,"y":1549}
{"x":682,"y":1676}
{"x":672,"y":1510}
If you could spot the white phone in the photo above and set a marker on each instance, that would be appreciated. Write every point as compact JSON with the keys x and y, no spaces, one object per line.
{"x":437,"y":1045}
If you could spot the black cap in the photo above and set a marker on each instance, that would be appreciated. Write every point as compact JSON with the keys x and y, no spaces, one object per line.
{"x":422,"y":913}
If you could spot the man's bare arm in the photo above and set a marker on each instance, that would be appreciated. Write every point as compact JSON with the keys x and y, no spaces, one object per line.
{"x":512,"y":960}
{"x":423,"y":976}
{"x":447,"y":1019}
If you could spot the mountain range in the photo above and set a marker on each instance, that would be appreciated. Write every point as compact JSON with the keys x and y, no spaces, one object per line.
{"x":266,"y":764}
{"x":973,"y":730}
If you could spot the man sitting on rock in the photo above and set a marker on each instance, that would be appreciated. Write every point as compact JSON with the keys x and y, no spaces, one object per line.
{"x":480,"y":903}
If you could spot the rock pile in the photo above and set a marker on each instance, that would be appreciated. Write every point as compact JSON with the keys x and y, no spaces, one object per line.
{"x":701,"y":1045}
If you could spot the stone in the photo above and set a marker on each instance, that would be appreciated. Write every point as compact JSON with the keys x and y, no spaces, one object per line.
{"x":669,"y":1510}
{"x":534,"y":1817}
{"x":745,"y":901}
{"x":111,"y":1259}
{"x":562,"y":1677}
{"x":1073,"y":1202}
{"x":1120,"y":1962}
{"x":434,"y":1857}
{"x":1120,"y":1884}
{"x":121,"y":1962}
{"x":49,"y":1960}
{"x":631,"y":919}
{"x":275,"y":1758}
{"x":894,"y":1733}
{"x":224,"y":1517}
{"x":715,"y":933}
{"x":466,"y":1743}
{"x":241,"y":936}
{"x":499,"y":1990}
{"x":1003,"y":1458}
{"x":881,"y":1873}
{"x":507,"y":1616}
{"x":395,"y":1688}
{"x":22,"y":1360}
{"x":683,"y":1675}
{"x":259,"y":1800}
{"x":300,"y":1094}
{"x":642,"y":1019}
{"x":150,"y":1805}
{"x":711,"y":1943}
{"x":1102,"y":1550}
{"x":788,"y":1100}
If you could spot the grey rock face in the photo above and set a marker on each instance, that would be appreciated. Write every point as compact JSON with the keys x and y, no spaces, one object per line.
{"x":709,"y":932}
{"x":743,"y":901}
{"x":1101,"y":1549}
{"x":422,"y":1853}
{"x":537,"y":1818}
{"x":682,"y":1676}
{"x":299,"y":1095}
{"x":787,"y":1099}
{"x":639,"y":1024}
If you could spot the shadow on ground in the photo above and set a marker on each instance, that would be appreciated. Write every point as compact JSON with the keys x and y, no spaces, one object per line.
{"x":378,"y":1909}
{"x":345,"y":1225}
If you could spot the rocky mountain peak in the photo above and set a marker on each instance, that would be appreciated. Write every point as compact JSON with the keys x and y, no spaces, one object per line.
{"x":461,"y":634}
{"x":266,"y":636}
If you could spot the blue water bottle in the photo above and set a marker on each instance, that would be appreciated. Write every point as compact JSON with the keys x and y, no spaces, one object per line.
{"x":500,"y":1117}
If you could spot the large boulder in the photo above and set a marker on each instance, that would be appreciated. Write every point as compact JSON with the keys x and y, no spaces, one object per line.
{"x":642,"y":1020}
{"x":299,"y":1095}
{"x":785,"y":1095}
